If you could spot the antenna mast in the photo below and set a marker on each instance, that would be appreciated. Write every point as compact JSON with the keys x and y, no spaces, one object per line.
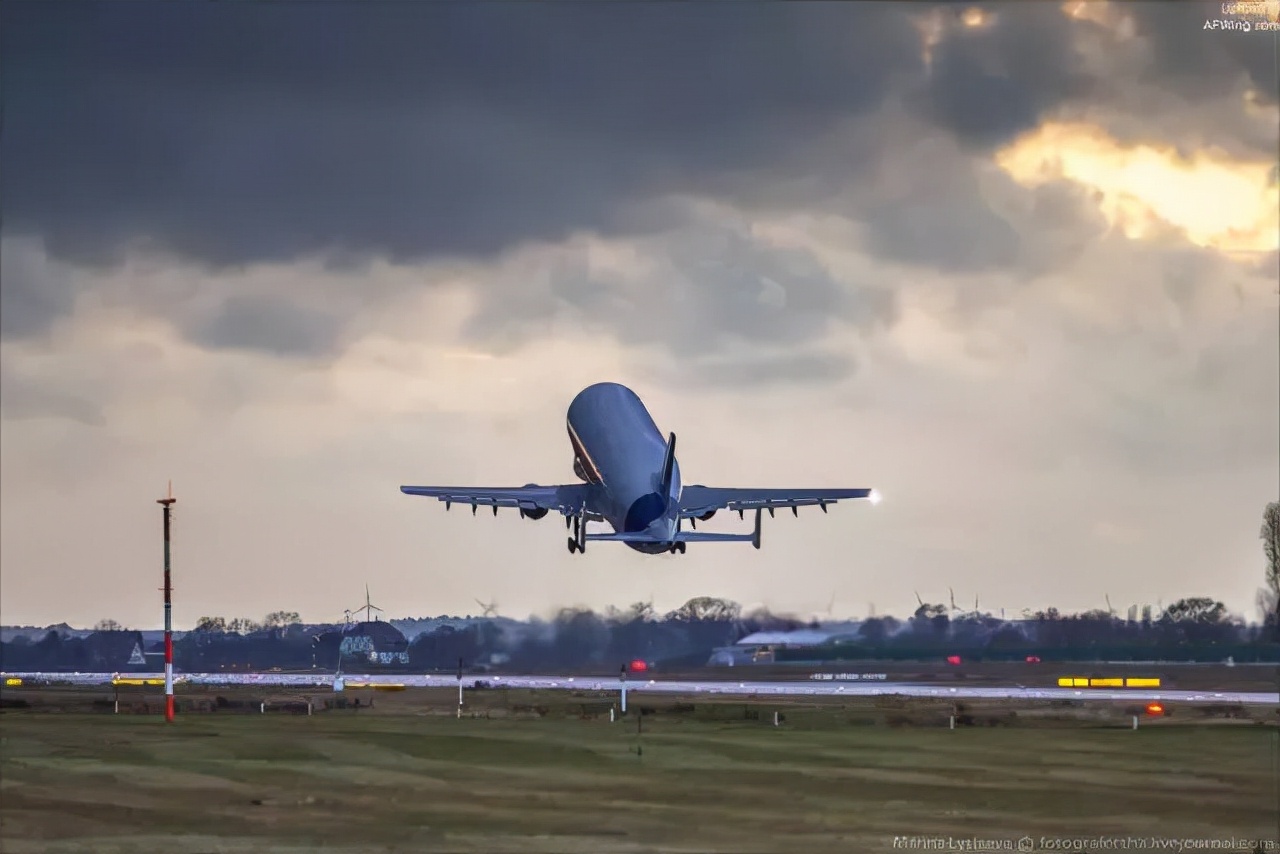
{"x":167,"y":503}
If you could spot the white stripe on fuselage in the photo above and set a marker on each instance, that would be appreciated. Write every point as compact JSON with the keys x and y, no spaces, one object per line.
{"x":580,"y":448}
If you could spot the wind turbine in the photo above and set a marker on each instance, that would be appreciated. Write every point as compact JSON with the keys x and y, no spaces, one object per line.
{"x":490,"y":610}
{"x":368,"y":608}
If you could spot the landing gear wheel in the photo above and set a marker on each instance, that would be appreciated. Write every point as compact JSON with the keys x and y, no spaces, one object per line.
{"x":680,"y":547}
{"x":573,"y":545}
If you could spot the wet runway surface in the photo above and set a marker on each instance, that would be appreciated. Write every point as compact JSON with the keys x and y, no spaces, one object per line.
{"x":799,"y":688}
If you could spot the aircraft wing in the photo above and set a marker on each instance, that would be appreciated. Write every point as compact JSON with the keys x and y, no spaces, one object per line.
{"x":568,"y":499}
{"x":697,"y":501}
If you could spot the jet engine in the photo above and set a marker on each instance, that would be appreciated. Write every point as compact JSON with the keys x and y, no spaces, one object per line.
{"x":532,"y":512}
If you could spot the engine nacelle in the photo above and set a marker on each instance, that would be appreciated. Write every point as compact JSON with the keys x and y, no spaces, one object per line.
{"x":705,"y":516}
{"x":532,"y":513}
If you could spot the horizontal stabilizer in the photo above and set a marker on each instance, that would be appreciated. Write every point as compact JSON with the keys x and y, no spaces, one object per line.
{"x":700,"y":537}
{"x":629,"y":537}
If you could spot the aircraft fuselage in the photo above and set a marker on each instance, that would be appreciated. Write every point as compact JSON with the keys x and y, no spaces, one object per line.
{"x":619,"y":451}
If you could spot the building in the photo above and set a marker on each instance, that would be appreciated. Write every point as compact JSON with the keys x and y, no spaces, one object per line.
{"x":759,"y":647}
{"x":377,"y":643}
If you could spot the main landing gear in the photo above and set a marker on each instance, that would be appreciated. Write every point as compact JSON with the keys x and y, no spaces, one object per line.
{"x":578,"y":542}
{"x":677,"y":548}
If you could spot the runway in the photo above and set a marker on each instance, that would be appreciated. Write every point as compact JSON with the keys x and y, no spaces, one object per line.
{"x":814,"y":688}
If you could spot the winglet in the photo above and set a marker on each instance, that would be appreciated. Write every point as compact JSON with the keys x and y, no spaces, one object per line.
{"x":668,"y":467}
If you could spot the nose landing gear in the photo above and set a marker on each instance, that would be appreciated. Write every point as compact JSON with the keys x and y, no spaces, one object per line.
{"x":677,"y":548}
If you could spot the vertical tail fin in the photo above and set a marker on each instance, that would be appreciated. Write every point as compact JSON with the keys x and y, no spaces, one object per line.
{"x":668,"y":468}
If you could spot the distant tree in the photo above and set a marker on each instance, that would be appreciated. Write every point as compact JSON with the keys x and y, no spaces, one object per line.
{"x":1007,"y":637}
{"x":1196,"y":609}
{"x":1269,"y":596}
{"x":107,"y":626}
{"x":581,"y":637}
{"x":243,"y":626}
{"x":639,"y":611}
{"x":1197,"y":619}
{"x":931,"y":621}
{"x":875,"y":631}
{"x":211,"y":624}
{"x":281,"y":619}
{"x":707,"y":608}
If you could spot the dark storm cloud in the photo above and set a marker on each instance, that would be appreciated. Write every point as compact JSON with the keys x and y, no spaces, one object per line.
{"x":1202,"y":64}
{"x":237,"y":133}
{"x":711,"y":287}
{"x":242,"y":132}
{"x":267,"y":326}
{"x":989,"y":84}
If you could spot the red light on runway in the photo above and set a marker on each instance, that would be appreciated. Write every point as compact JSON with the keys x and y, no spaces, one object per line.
{"x":953,"y":659}
{"x":638,"y":666}
{"x":1033,"y":659}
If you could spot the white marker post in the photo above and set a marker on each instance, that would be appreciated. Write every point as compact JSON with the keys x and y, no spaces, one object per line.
{"x":459,"y":686}
{"x":623,"y":677}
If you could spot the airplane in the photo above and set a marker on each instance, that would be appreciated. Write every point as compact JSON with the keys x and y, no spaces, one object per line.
{"x":631,"y":481}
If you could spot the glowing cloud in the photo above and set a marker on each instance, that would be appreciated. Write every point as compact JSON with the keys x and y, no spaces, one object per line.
{"x":1214,"y":201}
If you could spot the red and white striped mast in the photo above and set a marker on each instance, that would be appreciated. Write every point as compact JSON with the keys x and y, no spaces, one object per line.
{"x":167,"y":503}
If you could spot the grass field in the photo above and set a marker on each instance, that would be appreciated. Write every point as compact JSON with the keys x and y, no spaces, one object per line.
{"x":395,"y":779}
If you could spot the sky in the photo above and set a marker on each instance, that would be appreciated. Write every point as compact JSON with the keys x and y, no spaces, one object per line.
{"x":1014,"y":265}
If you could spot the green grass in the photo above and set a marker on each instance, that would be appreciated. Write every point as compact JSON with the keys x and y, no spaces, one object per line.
{"x":368,"y":782}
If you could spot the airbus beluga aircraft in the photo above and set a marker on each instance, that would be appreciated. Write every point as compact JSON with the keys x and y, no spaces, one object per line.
{"x":631,"y":481}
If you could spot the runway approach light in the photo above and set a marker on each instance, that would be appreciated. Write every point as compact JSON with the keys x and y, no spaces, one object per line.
{"x":1155,"y":709}
{"x":953,"y":659}
{"x":638,"y":666}
{"x":874,"y":497}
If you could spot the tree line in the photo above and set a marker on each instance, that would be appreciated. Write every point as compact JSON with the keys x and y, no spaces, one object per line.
{"x":1195,"y":627}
